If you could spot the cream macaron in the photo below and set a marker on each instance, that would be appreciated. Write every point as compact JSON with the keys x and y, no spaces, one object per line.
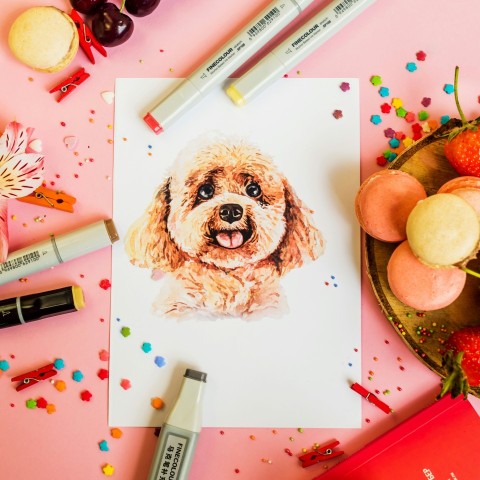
{"x":44,"y":38}
{"x":384,"y":202}
{"x":443,"y":230}
{"x":420,"y":286}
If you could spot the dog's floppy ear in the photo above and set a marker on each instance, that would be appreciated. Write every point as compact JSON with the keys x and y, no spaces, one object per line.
{"x":302,"y":240}
{"x":148,"y":242}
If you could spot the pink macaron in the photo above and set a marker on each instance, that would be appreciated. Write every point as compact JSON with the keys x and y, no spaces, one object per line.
{"x":465,"y":187}
{"x":384,"y":202}
{"x":419,"y":286}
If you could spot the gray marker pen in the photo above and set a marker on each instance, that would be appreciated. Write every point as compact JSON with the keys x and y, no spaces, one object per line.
{"x":178,"y":438}
{"x":57,"y":249}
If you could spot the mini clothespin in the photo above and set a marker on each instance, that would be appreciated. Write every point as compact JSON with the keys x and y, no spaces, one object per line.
{"x":31,"y":378}
{"x":45,"y":197}
{"x":70,"y":83}
{"x":321,"y":454}
{"x":86,"y":38}
{"x":372,"y":398}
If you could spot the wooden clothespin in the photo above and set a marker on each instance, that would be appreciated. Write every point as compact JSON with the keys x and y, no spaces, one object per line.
{"x":321,"y":453}
{"x":31,"y":378}
{"x":70,"y":83}
{"x":86,"y":38}
{"x":372,"y":398}
{"x":45,"y":197}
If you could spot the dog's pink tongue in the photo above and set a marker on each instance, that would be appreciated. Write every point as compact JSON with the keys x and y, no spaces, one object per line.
{"x":230,"y":239}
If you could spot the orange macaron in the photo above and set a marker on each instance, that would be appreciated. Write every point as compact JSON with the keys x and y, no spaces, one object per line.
{"x":384,"y":202}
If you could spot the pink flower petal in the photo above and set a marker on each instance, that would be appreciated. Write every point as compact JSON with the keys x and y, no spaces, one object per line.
{"x":3,"y":229}
{"x":14,"y":141}
{"x":20,"y":175}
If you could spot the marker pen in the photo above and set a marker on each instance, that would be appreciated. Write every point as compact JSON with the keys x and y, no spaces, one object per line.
{"x":224,"y":62}
{"x":295,"y":48}
{"x":57,"y":250}
{"x":179,"y":434}
{"x":28,"y":308}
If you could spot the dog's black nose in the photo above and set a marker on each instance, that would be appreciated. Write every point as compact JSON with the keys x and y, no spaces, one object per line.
{"x":231,"y":212}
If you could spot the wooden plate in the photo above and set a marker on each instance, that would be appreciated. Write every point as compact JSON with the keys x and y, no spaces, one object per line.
{"x":424,"y":332}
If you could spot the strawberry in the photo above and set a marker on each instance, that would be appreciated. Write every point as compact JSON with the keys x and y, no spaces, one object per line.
{"x":462,"y":362}
{"x":462,"y":148}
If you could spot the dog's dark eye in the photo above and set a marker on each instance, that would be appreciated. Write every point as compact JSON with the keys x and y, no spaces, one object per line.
{"x":253,"y":189}
{"x":206,"y":191}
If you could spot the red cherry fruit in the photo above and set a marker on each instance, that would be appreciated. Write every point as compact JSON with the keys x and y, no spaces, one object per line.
{"x":462,"y":148}
{"x":141,"y":8}
{"x":110,"y":26}
{"x":86,"y":6}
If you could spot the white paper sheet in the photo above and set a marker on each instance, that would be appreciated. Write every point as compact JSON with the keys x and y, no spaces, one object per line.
{"x":290,"y":371}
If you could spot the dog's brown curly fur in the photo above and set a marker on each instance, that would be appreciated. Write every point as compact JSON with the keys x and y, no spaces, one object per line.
{"x":224,"y":227}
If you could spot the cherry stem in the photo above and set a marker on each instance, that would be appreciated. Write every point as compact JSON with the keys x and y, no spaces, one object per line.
{"x":471,"y":272}
{"x":455,"y":91}
{"x":122,"y":6}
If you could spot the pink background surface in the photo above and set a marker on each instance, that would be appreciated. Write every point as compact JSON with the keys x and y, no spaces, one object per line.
{"x":170,"y":43}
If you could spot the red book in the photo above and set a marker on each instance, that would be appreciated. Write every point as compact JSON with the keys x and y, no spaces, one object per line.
{"x":441,"y":442}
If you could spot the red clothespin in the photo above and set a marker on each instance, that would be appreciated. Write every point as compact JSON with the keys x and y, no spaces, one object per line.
{"x":370,"y":397}
{"x":44,"y":197}
{"x":86,"y":38}
{"x":31,"y":378}
{"x":70,"y":83}
{"x":321,"y":454}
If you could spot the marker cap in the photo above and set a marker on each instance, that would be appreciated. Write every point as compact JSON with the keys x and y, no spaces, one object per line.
{"x":257,"y":79}
{"x":185,"y":96}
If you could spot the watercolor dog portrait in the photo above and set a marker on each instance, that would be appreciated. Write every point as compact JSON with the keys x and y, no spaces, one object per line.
{"x":223,"y":228}
{"x":239,"y":256}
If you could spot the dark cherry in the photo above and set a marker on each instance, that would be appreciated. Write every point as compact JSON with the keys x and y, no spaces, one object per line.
{"x":86,"y":6}
{"x":110,"y":26}
{"x":141,"y":8}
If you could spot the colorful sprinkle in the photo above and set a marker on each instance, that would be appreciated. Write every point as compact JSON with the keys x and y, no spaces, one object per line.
{"x":376,"y":80}
{"x":376,"y":119}
{"x":77,"y":375}
{"x":397,"y":103}
{"x":60,"y":385}
{"x":444,"y":119}
{"x":385,"y":108}
{"x":448,"y":88}
{"x":103,"y":355}
{"x":103,"y":374}
{"x":105,"y":284}
{"x":384,"y":91}
{"x":125,"y":331}
{"x":108,"y":470}
{"x":86,"y":396}
{"x":394,"y":143}
{"x":116,"y":433}
{"x":401,"y":112}
{"x":411,"y":66}
{"x":160,"y":361}
{"x":4,"y":365}
{"x":421,"y":56}
{"x":59,"y":364}
{"x":344,"y":86}
{"x":337,"y":114}
{"x":31,"y":403}
{"x":51,"y":408}
{"x":103,"y":445}
{"x":147,"y":347}
{"x":125,"y":384}
{"x":157,"y":403}
{"x":41,"y":403}
{"x":426,"y":101}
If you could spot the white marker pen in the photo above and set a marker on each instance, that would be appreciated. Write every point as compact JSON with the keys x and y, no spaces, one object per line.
{"x":295,"y":48}
{"x":176,"y":445}
{"x":224,"y":62}
{"x":57,"y":250}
